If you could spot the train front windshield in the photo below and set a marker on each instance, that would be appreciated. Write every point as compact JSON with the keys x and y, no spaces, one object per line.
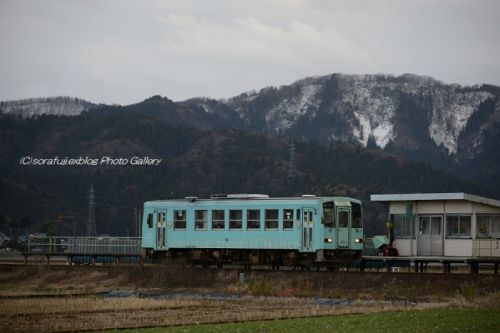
{"x":357,"y":218}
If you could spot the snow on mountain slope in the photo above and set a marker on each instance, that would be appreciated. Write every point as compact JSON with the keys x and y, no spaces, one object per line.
{"x":370,"y":105}
{"x":450,"y":114}
{"x":375,"y":101}
{"x":282,"y":116}
{"x":64,"y":106}
{"x":406,"y":112}
{"x":373,"y":109}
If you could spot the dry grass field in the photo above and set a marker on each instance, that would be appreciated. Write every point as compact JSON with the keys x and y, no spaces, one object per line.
{"x":353,"y":285}
{"x":59,"y":298}
{"x":91,"y":313}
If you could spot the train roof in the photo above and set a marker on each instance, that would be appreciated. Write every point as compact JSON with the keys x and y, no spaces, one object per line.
{"x":247,"y":198}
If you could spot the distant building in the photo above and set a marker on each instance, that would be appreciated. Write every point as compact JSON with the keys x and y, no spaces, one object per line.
{"x":443,"y":224}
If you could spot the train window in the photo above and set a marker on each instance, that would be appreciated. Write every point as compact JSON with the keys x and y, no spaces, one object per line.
{"x":150,"y":220}
{"x":357,"y":220}
{"x":343,"y":219}
{"x":288,"y":219}
{"x":328,"y":216}
{"x":253,"y":219}
{"x":235,"y":219}
{"x":179,"y":219}
{"x":271,"y":219}
{"x":200,"y":219}
{"x":218,"y":220}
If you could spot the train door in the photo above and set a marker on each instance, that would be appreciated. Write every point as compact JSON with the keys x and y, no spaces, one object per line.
{"x":161,"y":228}
{"x":343,"y":226}
{"x":307,"y":229}
{"x":430,"y":236}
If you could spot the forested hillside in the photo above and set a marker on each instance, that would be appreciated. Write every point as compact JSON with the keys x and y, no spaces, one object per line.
{"x":195,"y":161}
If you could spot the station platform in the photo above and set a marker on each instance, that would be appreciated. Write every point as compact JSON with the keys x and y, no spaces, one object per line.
{"x":420,"y":263}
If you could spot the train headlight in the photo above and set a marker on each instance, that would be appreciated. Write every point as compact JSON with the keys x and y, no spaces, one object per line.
{"x":358,"y":240}
{"x":328,"y":240}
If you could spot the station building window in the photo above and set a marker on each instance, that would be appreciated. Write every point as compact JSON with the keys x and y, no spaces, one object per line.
{"x":271,"y":216}
{"x":200,"y":219}
{"x":179,"y":219}
{"x":458,"y":226}
{"x":288,"y":219}
{"x":218,"y":222}
{"x":401,"y":225}
{"x":235,"y":219}
{"x":488,"y":226}
{"x":253,"y":219}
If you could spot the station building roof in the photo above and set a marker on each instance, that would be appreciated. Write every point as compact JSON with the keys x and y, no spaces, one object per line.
{"x":434,"y":197}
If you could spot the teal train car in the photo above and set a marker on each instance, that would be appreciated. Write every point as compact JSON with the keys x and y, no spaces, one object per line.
{"x":254,"y":229}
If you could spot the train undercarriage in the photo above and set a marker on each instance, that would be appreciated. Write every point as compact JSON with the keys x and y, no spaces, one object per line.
{"x":274,"y":259}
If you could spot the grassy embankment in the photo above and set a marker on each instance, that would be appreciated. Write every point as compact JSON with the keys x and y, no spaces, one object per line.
{"x":435,"y":320}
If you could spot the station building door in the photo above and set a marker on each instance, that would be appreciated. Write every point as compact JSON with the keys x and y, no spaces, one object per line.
{"x":430,"y":235}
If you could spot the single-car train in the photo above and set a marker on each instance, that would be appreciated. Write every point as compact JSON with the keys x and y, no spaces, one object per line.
{"x":254,"y":229}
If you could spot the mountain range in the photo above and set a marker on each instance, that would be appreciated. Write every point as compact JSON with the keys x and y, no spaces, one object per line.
{"x":31,"y":107}
{"x":449,"y":126}
{"x":354,"y":135}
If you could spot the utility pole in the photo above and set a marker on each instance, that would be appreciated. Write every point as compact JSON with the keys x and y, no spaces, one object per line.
{"x":91,"y":223}
{"x":137,"y":222}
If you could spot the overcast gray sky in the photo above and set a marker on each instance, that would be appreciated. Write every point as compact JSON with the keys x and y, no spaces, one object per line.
{"x":125,"y":51}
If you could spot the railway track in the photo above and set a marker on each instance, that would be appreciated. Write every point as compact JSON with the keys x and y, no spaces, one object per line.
{"x":382,"y":264}
{"x":9,"y":265}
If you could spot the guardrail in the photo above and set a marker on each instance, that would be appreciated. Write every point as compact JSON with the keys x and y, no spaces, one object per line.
{"x":83,"y":245}
{"x":487,"y":247}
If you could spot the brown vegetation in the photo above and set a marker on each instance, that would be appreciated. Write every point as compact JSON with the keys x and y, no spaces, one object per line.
{"x":59,"y":298}
{"x":353,"y":285}
{"x":86,"y":313}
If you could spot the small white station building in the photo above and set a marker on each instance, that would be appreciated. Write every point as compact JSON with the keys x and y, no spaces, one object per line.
{"x":443,"y":224}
